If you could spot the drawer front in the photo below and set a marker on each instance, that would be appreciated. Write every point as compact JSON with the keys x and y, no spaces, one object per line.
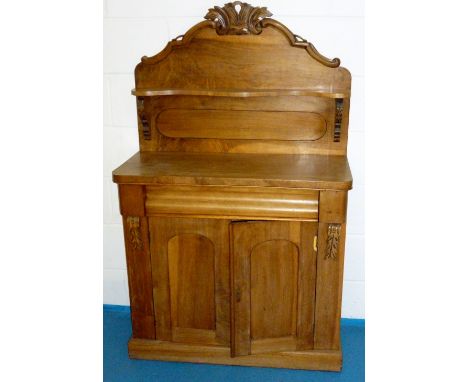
{"x":232,"y":202}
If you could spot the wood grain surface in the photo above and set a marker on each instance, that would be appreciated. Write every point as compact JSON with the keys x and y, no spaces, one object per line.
{"x":330,"y":360}
{"x":270,"y":275}
{"x":232,"y":202}
{"x":190,"y":267}
{"x":294,"y":171}
{"x":241,"y":124}
{"x":234,"y":209}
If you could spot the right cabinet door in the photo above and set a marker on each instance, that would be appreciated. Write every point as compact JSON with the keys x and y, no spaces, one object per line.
{"x":273,"y":265}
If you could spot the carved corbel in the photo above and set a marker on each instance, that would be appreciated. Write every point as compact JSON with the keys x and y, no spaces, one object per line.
{"x":133,"y":224}
{"x":333,"y":241}
{"x":338,"y":119}
{"x":145,"y":126}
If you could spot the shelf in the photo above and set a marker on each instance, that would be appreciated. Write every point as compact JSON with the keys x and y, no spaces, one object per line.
{"x":239,"y":92}
{"x":264,"y":170}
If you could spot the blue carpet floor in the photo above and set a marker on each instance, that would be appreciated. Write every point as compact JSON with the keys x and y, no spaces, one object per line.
{"x":118,"y":367}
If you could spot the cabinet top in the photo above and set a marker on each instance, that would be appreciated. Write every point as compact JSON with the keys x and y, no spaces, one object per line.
{"x":277,"y":170}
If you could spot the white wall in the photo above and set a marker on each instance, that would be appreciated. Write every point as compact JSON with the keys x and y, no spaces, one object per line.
{"x":142,"y":27}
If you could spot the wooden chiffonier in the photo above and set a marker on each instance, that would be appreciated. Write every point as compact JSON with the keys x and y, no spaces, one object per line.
{"x":234,"y":209}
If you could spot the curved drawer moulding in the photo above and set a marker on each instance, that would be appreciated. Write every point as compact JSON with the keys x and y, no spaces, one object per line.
{"x":241,"y":124}
{"x":248,"y":202}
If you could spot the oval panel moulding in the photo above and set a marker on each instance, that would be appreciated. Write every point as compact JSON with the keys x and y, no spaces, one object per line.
{"x":241,"y":124}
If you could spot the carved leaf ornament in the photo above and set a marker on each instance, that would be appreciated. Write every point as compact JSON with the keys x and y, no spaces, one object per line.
{"x":135,"y":234}
{"x":334,"y":232}
{"x":238,"y":18}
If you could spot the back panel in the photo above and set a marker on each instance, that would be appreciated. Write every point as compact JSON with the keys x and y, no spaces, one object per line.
{"x":263,"y":92}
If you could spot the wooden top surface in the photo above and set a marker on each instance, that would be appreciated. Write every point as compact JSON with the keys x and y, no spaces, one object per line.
{"x":267,"y":170}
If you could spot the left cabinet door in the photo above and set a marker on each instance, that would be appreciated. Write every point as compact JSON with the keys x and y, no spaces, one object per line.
{"x":190,"y":268}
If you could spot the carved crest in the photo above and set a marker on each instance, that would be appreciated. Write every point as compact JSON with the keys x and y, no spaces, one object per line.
{"x":238,"y":18}
{"x":334,"y":231}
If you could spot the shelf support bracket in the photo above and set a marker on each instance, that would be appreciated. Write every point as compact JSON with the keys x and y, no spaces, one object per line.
{"x":338,"y":119}
{"x":143,"y":121}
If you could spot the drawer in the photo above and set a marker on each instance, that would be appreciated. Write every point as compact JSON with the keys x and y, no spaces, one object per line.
{"x":232,"y":202}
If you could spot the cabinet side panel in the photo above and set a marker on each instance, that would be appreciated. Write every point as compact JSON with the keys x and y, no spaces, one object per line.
{"x":330,"y":261}
{"x":139,"y":276}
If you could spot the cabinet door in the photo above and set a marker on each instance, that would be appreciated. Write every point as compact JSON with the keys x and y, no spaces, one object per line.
{"x":273,"y":269}
{"x":190,"y":265}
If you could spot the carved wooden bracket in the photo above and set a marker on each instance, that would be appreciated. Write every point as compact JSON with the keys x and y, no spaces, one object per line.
{"x":133,"y":224}
{"x":238,"y":18}
{"x":142,"y":118}
{"x":333,"y":239}
{"x":338,"y":119}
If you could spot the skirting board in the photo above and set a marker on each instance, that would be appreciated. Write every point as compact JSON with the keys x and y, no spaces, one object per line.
{"x":169,"y":351}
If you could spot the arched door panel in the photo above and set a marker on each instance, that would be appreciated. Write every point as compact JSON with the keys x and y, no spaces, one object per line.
{"x":273,"y":284}
{"x":191,"y":281}
{"x":273,"y":266}
{"x":190,"y":266}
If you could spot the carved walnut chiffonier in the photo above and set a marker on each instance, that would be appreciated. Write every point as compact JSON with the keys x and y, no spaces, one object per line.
{"x":234,"y":209}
